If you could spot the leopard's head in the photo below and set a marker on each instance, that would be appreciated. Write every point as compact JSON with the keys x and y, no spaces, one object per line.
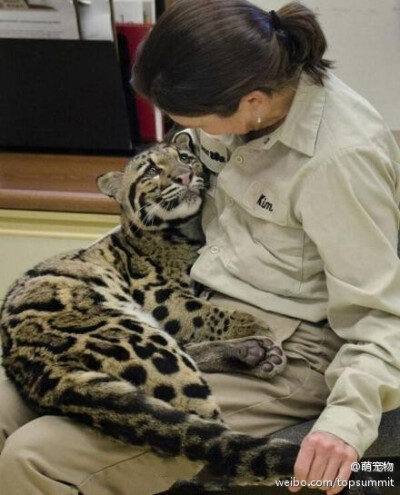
{"x":160,"y":187}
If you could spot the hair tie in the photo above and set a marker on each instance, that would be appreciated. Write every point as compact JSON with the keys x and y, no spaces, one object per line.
{"x":275,"y":20}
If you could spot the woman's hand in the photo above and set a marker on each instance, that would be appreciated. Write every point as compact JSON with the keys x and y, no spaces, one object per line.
{"x":324,"y":456}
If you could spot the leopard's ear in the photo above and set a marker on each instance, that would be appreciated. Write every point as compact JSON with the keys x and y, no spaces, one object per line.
{"x":110,"y":184}
{"x":183,"y":141}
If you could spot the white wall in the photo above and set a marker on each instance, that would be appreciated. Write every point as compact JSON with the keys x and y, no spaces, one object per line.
{"x":364,"y":40}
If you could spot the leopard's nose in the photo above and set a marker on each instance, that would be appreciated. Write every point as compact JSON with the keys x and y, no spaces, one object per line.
{"x":184,"y":178}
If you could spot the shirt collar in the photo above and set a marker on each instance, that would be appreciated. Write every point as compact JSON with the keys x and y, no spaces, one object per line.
{"x":300,"y":127}
{"x":299,"y":130}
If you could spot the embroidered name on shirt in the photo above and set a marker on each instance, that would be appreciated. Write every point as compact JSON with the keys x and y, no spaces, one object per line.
{"x":214,"y":155}
{"x":264,"y":203}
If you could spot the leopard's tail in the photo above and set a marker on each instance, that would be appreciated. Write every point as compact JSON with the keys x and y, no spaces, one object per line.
{"x":119,"y":409}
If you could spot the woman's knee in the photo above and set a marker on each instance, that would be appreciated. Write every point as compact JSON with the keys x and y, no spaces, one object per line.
{"x":22,"y":443}
{"x":42,"y":442}
{"x":14,"y":413}
{"x":57,"y":452}
{"x":27,"y":463}
{"x":18,"y":459}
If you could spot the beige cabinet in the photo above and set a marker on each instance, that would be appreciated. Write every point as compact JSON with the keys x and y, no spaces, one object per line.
{"x":27,"y":237}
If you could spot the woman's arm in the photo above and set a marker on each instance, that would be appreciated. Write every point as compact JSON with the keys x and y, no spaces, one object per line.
{"x":349,"y":208}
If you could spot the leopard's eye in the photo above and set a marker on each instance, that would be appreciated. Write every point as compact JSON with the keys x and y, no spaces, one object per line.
{"x":152,"y":171}
{"x":184,"y":158}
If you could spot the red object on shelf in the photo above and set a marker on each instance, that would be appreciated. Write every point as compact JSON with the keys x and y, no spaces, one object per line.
{"x":134,"y":35}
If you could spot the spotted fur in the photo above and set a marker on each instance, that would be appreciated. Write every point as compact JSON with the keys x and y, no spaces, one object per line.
{"x":98,"y":334}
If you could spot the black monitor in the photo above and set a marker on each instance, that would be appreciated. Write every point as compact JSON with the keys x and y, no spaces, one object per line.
{"x":62,"y":95}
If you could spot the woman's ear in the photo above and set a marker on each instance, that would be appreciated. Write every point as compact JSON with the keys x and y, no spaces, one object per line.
{"x":255,"y":99}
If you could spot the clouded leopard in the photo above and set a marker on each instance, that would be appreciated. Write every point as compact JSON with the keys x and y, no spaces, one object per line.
{"x":104,"y":334}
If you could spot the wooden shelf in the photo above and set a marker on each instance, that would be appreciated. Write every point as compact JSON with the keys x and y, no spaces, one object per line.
{"x":56,"y":182}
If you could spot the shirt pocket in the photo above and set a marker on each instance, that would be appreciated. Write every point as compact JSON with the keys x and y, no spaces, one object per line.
{"x":279,"y":246}
{"x":263,"y":203}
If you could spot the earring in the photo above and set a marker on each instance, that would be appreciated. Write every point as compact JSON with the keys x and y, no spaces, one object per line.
{"x":258,"y":121}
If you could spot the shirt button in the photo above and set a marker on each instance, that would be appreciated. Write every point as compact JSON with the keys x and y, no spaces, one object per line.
{"x":231,"y":202}
{"x":214,"y":249}
{"x":239,"y":159}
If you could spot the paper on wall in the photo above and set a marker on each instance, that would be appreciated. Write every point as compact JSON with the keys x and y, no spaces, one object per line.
{"x":46,"y":19}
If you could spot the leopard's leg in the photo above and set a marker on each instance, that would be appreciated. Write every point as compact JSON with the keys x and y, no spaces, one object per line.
{"x":190,"y":319}
{"x":193,"y":320}
{"x":255,"y":356}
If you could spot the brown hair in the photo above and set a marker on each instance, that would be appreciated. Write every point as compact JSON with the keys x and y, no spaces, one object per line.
{"x":203,"y":56}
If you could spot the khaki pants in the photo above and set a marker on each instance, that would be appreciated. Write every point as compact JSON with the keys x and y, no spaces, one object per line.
{"x":52,"y":455}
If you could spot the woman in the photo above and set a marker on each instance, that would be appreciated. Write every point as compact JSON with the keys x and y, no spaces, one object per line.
{"x":301,"y":223}
{"x":302,"y":216}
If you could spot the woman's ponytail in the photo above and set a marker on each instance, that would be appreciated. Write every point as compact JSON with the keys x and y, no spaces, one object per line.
{"x":305,"y":40}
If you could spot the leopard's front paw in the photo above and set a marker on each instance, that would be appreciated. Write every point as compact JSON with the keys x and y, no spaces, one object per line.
{"x":257,"y":356}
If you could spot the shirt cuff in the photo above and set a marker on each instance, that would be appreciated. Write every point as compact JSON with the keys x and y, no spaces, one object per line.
{"x":348,"y":424}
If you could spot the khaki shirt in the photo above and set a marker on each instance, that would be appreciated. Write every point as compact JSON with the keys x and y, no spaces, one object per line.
{"x":304,"y":222}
